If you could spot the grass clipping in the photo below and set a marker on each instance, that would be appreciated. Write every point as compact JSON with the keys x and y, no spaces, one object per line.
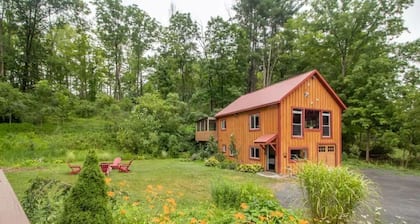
{"x":333,"y":194}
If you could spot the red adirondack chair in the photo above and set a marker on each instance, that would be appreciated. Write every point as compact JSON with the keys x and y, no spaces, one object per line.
{"x":125,"y":167}
{"x":75,"y":169}
{"x":116,"y":163}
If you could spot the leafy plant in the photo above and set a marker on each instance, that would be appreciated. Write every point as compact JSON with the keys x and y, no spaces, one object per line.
{"x":43,"y":200}
{"x":212,"y":162}
{"x":88,"y":201}
{"x":250,"y":168}
{"x":332,"y":193}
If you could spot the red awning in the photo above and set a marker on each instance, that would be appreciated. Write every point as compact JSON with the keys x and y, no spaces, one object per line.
{"x":265,"y":138}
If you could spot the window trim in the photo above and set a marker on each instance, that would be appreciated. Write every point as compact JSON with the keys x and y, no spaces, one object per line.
{"x":223,"y":124}
{"x":252,"y":120}
{"x":298,"y":148}
{"x":231,"y":154}
{"x":223,"y":148}
{"x":298,"y":111}
{"x":329,"y":125}
{"x":252,"y":150}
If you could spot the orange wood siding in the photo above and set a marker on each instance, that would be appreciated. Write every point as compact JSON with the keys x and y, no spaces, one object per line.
{"x":238,"y":125}
{"x":309,"y":95}
{"x":204,"y":136}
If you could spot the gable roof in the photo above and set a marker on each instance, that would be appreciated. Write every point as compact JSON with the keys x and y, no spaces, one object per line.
{"x":274,"y":94}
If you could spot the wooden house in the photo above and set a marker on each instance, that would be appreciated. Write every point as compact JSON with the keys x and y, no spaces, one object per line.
{"x":282,"y":125}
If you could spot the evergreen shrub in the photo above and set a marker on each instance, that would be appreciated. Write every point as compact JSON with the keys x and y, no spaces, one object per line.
{"x":88,"y":201}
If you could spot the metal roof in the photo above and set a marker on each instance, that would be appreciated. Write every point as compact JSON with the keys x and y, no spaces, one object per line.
{"x":265,"y":138}
{"x":274,"y":94}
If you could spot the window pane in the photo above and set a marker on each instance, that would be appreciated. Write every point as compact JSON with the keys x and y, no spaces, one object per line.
{"x":296,"y":118}
{"x":212,"y":124}
{"x":297,"y":130}
{"x":257,"y":121}
{"x":297,"y":154}
{"x":326,"y":131}
{"x":311,"y":119}
{"x":326,"y":119}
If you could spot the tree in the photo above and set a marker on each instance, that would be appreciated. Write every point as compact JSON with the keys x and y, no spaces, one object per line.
{"x":143,"y":33}
{"x":11,"y":103}
{"x":88,"y":201}
{"x":112,"y":28}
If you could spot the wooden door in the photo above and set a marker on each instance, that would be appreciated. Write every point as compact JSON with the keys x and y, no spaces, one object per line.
{"x":327,"y":155}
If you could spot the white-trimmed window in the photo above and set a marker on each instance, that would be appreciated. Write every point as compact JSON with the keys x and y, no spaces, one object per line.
{"x":326,"y":124}
{"x":223,"y":124}
{"x":254,"y":152}
{"x":254,"y":121}
{"x":223,"y":148}
{"x":297,"y":122}
{"x":231,"y":151}
{"x":298,"y":154}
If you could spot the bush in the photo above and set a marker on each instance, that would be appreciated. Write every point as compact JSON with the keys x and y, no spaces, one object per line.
{"x":220,"y":157}
{"x":43,"y":200}
{"x":88,"y":201}
{"x":332,"y":193}
{"x":250,"y":168}
{"x":228,"y":164}
{"x":212,"y":162}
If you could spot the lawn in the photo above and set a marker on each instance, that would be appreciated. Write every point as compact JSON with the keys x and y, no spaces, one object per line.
{"x":191,"y":179}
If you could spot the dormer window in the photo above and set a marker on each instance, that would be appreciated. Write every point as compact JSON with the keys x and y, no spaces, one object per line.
{"x":254,"y":122}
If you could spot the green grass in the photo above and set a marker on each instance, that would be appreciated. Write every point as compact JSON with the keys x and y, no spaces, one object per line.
{"x":357,"y":164}
{"x":193,"y":179}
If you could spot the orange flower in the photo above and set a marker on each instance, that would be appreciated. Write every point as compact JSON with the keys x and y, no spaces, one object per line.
{"x":244,"y":206}
{"x":149,"y":187}
{"x":169,"y":192}
{"x":302,"y":221}
{"x":278,"y":214}
{"x":136,"y":203}
{"x":107,"y":180}
{"x":193,"y":221}
{"x":239,"y":216}
{"x":262,"y":218}
{"x":123,"y":212}
{"x":159,"y":187}
{"x":126,"y":198}
{"x":110,"y":193}
{"x":203,"y":222}
{"x":291,"y":218}
{"x":123,"y":183}
{"x":171,"y":201}
{"x":166,"y":210}
{"x":155,"y":219}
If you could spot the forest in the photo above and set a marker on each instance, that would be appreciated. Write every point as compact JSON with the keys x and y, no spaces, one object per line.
{"x":149,"y":83}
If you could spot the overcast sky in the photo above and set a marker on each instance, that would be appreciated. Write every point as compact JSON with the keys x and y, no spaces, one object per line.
{"x":202,"y":10}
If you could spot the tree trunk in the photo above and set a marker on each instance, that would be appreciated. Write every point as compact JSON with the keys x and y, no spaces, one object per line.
{"x":368,"y":145}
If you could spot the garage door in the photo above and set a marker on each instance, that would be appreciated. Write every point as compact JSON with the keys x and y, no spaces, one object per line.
{"x":326,"y":154}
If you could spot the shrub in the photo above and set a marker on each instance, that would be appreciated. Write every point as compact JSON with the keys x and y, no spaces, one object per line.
{"x":220,"y":157}
{"x":250,"y":168}
{"x":228,"y":164}
{"x":43,"y":200}
{"x":88,"y":201}
{"x":212,"y":162}
{"x":332,"y":193}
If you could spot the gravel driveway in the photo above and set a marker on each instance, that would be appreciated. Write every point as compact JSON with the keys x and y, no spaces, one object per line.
{"x":399,"y":195}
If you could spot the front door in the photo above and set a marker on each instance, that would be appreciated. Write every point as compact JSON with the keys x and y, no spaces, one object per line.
{"x":271,"y":158}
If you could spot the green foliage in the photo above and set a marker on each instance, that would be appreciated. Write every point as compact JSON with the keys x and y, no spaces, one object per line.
{"x":220,"y":157}
{"x":227,"y":194}
{"x":88,"y":201}
{"x":212,"y":162}
{"x":43,"y":200}
{"x":228,"y":164}
{"x":250,"y":168}
{"x":156,"y":125}
{"x":333,"y":194}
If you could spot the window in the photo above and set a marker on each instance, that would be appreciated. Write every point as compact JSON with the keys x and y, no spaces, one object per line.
{"x":223,"y":148}
{"x":326,"y":148}
{"x":212,"y":125}
{"x":254,"y":153}
{"x":223,"y":124}
{"x":297,"y":122}
{"x":312,"y":119}
{"x":254,"y":121}
{"x":298,"y":154}
{"x":231,"y":151}
{"x":326,"y":127}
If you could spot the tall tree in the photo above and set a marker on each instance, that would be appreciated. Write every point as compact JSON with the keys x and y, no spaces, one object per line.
{"x":112,"y":28}
{"x":143,"y":34}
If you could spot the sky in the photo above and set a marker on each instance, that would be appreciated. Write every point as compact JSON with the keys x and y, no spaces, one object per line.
{"x":202,"y":10}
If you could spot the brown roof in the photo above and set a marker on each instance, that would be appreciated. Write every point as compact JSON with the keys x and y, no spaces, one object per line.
{"x":274,"y":94}
{"x":265,"y":138}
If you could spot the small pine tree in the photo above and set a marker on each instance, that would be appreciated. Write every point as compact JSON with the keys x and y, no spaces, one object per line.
{"x":88,"y":202}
